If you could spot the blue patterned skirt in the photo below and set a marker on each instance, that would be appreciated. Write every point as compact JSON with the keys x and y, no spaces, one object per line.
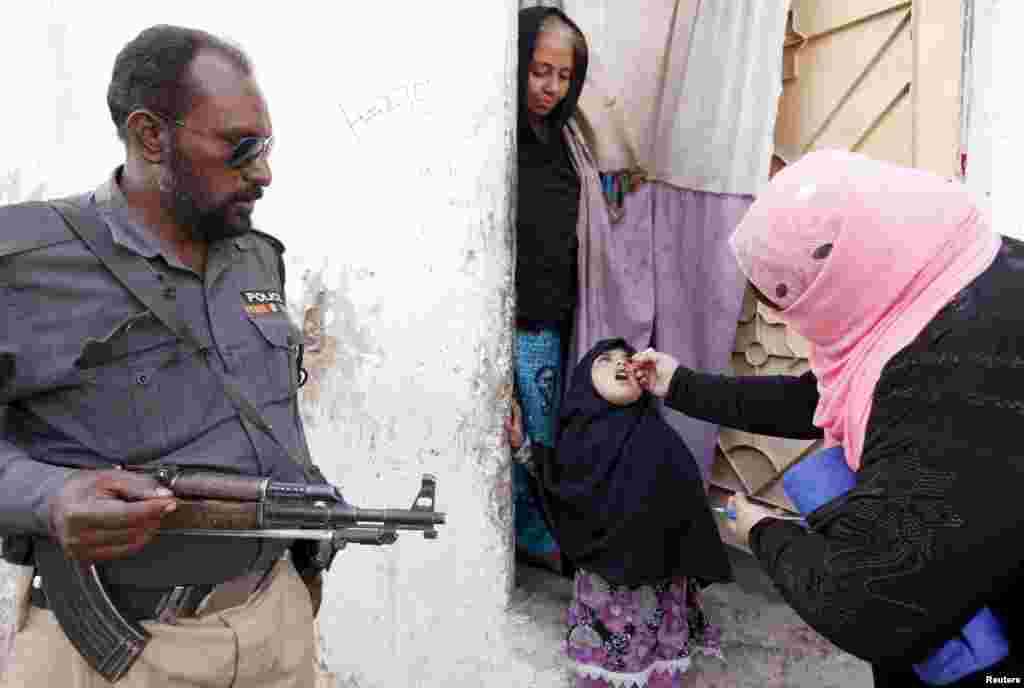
{"x":538,"y":366}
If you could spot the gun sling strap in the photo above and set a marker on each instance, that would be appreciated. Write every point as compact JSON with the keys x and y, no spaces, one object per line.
{"x":133,"y":272}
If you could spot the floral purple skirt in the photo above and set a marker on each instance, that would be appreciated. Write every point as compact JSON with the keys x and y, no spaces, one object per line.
{"x":636,"y":637}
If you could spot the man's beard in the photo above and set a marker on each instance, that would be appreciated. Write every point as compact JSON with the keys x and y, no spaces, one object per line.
{"x":184,"y":195}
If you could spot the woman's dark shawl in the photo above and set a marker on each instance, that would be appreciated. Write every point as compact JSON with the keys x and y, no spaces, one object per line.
{"x":548,"y":193}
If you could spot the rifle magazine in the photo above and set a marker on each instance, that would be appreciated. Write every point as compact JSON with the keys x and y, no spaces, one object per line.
{"x":96,"y":629}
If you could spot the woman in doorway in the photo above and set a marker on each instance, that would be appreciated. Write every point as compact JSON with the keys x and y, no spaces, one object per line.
{"x":552,"y":68}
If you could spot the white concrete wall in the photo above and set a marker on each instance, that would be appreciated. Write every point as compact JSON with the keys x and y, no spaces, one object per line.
{"x":977,"y":111}
{"x":996,"y":141}
{"x":393,"y":174}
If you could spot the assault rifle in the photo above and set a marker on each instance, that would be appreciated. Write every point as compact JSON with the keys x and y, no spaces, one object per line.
{"x":212,"y":503}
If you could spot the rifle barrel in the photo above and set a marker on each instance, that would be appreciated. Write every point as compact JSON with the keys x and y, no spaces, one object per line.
{"x":409,"y":517}
{"x":360,"y":536}
{"x":270,"y":533}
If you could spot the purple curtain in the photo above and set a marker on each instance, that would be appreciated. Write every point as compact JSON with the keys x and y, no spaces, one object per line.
{"x":698,"y":291}
{"x":664,"y":276}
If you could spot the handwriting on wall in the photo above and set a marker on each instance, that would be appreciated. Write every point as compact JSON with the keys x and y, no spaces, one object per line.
{"x":406,"y":98}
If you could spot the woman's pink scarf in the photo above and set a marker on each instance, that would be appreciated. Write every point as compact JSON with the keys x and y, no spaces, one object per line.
{"x":904,"y":243}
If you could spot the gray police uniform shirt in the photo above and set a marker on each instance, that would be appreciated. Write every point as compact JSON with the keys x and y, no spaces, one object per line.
{"x":90,"y":379}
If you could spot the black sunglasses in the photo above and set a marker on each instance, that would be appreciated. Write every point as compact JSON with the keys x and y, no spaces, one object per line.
{"x":246,"y":151}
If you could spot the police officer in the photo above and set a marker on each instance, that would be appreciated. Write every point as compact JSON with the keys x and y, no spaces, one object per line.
{"x":92,"y":381}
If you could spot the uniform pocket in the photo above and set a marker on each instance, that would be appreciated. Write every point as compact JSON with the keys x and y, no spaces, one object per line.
{"x":116,"y":401}
{"x":281,"y":353}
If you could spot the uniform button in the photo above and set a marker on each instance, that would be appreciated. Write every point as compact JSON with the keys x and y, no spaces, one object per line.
{"x":142,"y":379}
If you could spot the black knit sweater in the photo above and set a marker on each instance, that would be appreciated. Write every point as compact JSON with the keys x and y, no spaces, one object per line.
{"x":932,"y":531}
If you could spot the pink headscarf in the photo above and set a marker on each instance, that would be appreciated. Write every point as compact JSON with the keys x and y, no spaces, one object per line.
{"x":903,"y":243}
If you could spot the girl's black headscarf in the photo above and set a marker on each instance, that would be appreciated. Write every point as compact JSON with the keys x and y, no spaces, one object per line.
{"x":548,"y":190}
{"x":625,"y":493}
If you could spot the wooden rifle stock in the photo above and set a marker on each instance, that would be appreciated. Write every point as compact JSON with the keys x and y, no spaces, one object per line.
{"x":229,"y":505}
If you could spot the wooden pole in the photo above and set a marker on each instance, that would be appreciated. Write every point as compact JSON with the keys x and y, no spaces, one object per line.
{"x":938,"y":51}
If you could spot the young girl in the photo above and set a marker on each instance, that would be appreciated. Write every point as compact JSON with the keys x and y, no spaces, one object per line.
{"x":628,"y":507}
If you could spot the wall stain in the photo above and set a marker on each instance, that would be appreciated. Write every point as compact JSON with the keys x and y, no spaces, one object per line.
{"x":462,"y":203}
{"x":470,"y":262}
{"x":321,"y":349}
{"x":11,"y":189}
{"x":494,"y":107}
{"x":335,"y":354}
{"x":355,"y":681}
{"x":480,"y":434}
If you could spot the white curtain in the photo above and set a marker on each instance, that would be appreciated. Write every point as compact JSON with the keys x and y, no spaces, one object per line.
{"x":523,"y":4}
{"x":686,"y":89}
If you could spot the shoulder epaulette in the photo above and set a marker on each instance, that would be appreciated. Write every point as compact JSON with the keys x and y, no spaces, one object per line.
{"x":276,"y":244}
{"x":274,"y":241}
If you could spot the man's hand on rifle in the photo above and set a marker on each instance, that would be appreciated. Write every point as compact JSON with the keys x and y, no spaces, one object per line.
{"x":101,"y":515}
